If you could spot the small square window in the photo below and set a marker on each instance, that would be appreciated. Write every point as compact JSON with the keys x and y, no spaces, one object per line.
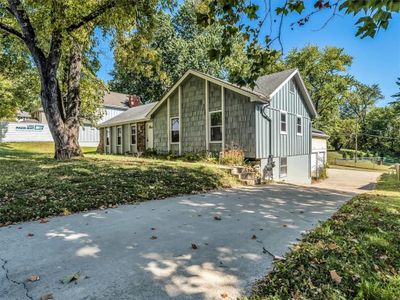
{"x":283,"y":166}
{"x":175,"y":130}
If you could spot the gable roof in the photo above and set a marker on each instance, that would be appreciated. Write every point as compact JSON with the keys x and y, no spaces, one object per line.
{"x":134,"y":114}
{"x":253,"y":95}
{"x":270,"y":84}
{"x":266,"y":87}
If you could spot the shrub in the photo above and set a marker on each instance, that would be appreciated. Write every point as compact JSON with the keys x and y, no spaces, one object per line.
{"x":233,"y":156}
{"x":351,"y":155}
{"x":345,"y":155}
{"x":150,"y":153}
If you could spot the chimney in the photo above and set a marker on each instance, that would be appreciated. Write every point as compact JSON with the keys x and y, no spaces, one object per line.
{"x":134,"y":101}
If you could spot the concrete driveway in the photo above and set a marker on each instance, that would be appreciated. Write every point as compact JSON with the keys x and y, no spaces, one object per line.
{"x":146,"y":251}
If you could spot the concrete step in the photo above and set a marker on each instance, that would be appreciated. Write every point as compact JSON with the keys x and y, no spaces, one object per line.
{"x":250,"y":181}
{"x":247,"y":175}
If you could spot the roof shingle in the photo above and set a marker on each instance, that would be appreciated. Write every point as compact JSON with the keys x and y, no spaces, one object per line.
{"x":131,"y":115}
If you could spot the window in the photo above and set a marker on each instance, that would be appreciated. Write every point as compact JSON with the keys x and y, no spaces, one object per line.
{"x":133,"y":134}
{"x":174,"y":130}
{"x":119,"y":136}
{"x":283,"y":122}
{"x":216,"y":126}
{"x":282,"y":166}
{"x":107,"y":136}
{"x":291,"y":86}
{"x":299,"y":125}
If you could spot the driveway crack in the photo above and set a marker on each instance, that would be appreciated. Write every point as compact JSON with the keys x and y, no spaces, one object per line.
{"x":3,"y":266}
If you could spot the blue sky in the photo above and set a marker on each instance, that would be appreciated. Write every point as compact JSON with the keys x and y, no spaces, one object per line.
{"x":375,"y":60}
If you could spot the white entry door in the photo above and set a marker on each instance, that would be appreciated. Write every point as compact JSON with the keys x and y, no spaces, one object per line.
{"x":149,"y":135}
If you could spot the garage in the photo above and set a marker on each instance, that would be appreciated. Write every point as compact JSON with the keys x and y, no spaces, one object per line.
{"x":319,"y":151}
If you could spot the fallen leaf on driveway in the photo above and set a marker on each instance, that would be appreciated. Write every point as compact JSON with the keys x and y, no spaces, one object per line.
{"x":43,"y":221}
{"x":30,"y":234}
{"x":335,"y":277}
{"x":153,"y":237}
{"x":194,"y":246}
{"x":152,"y":228}
{"x":217,"y":218}
{"x":70,"y":278}
{"x":47,"y":297}
{"x":33,"y":278}
{"x":254,"y":237}
{"x":224,"y":295}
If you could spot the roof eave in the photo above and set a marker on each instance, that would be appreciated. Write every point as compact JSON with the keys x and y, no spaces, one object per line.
{"x":105,"y":124}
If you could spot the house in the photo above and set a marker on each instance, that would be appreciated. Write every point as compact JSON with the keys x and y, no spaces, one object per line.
{"x":319,"y":152}
{"x":33,"y":127}
{"x":200,"y":113}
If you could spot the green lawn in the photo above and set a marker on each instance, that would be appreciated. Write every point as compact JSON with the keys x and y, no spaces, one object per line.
{"x":353,"y":255}
{"x":33,"y":185}
{"x":361,"y":164}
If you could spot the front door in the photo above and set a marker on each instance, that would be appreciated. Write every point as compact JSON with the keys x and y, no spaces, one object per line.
{"x":149,"y":135}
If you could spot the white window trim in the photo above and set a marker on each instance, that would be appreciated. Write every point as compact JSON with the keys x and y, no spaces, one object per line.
{"x":119,"y":145}
{"x":134,"y":125}
{"x":170,"y":131}
{"x":209,"y":127}
{"x":301,"y":124}
{"x":280,"y":166}
{"x":286,"y":122}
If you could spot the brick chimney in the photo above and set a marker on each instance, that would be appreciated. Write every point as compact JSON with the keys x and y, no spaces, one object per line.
{"x":134,"y":101}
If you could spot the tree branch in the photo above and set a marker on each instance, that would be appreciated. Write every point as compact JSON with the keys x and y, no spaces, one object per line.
{"x":12,"y":31}
{"x":92,"y":16}
{"x":27,"y":30}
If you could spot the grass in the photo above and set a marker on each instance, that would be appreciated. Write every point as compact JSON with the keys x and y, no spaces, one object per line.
{"x":34,"y":186}
{"x":360,"y":243}
{"x":361,"y":164}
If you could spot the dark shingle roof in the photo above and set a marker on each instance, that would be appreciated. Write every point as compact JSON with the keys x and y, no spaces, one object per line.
{"x":114,"y":99}
{"x":319,"y":133}
{"x":267,"y":84}
{"x":131,"y":115}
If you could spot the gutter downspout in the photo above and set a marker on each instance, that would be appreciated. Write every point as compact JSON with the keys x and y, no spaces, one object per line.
{"x":270,"y":163}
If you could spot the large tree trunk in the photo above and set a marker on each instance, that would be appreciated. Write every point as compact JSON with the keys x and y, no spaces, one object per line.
{"x":62,"y":111}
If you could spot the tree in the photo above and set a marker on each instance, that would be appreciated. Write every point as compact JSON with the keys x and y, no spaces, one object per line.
{"x":178,"y":44}
{"x":19,"y":84}
{"x":396,"y":102}
{"x":57,"y":35}
{"x":323,"y":71}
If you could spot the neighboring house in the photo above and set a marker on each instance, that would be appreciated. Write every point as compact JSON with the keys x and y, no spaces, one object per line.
{"x":201,"y":113}
{"x":319,"y":154}
{"x":34,"y":128}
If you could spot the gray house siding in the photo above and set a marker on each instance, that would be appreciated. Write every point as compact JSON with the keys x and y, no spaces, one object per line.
{"x":160,"y":129}
{"x":193,"y":123}
{"x":289,"y":144}
{"x":240,"y":123}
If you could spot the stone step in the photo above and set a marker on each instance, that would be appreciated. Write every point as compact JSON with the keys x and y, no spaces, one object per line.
{"x":250,"y":181}
{"x":237,"y":170}
{"x":247,"y":175}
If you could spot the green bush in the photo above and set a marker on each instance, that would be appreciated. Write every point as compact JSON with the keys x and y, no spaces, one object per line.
{"x":345,"y":155}
{"x":233,"y":156}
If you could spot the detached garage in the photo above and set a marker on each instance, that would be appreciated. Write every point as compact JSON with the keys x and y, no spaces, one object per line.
{"x":319,"y":151}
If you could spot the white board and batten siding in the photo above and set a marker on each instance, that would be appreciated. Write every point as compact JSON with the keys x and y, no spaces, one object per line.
{"x":290,"y":145}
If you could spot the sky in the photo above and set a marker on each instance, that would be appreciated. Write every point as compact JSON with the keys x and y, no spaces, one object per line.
{"x":375,"y":60}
